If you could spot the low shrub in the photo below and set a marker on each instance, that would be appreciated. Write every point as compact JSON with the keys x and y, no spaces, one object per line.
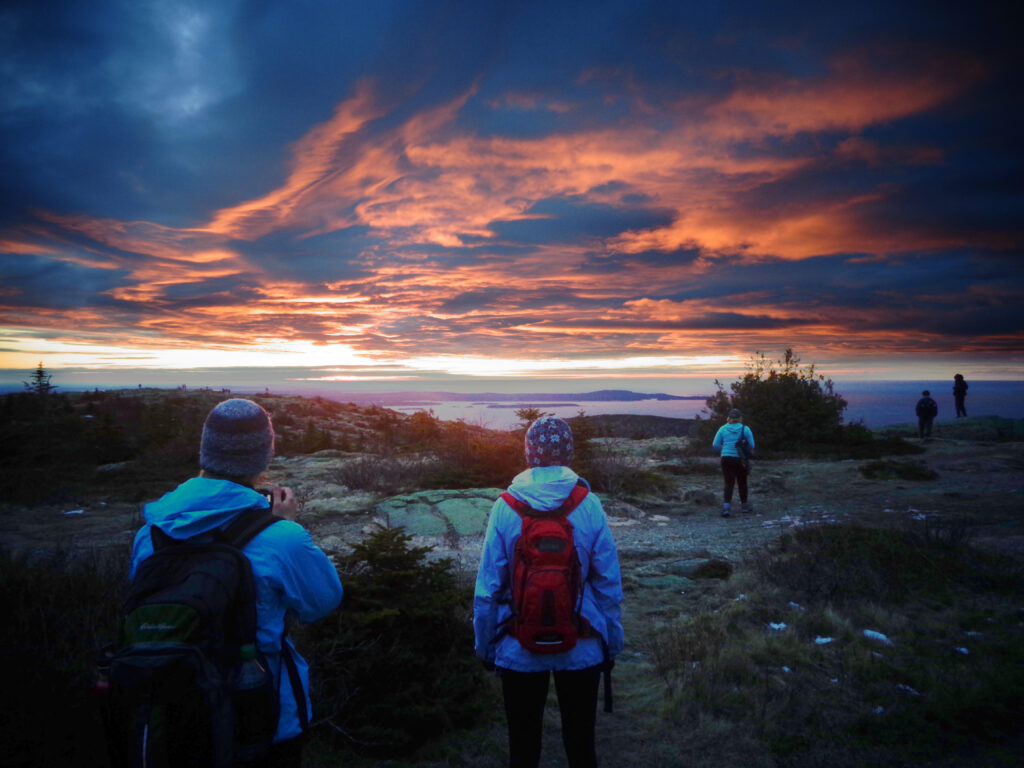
{"x":471,"y":457}
{"x":387,"y":475}
{"x":59,"y":609}
{"x":888,"y":469}
{"x":396,"y":667}
{"x":691,"y":466}
{"x":619,"y":473}
{"x":842,"y":563}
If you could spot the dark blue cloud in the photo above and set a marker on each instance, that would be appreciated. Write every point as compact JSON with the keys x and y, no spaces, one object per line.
{"x":613,"y":263}
{"x":572,"y":220}
{"x":318,"y":259}
{"x":524,"y":297}
{"x":34,"y":281}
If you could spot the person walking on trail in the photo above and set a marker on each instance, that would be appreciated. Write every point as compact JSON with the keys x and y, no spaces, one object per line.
{"x":729,"y":442}
{"x":959,"y":393}
{"x":926,"y":410}
{"x":293,"y":577}
{"x":527,"y":641}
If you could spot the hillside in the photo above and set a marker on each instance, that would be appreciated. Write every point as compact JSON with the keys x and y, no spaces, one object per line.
{"x":723,"y":664}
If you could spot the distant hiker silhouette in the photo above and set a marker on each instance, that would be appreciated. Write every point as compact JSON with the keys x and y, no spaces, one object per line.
{"x":927,"y":409}
{"x":959,"y":393}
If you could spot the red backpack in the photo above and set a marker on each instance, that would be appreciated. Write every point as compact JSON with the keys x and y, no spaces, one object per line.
{"x":547,"y":588}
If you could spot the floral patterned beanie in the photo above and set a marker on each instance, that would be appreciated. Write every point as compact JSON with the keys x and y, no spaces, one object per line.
{"x":549,"y":443}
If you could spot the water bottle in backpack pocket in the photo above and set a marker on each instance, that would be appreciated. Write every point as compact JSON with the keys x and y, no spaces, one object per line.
{"x":255,"y":703}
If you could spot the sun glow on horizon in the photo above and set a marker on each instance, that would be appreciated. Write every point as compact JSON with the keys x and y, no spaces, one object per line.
{"x":25,"y":352}
{"x":340,"y":362}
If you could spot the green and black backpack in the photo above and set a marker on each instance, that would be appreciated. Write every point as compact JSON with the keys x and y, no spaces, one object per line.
{"x":188,"y":623}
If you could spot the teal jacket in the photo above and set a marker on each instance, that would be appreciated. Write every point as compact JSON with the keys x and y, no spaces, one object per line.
{"x":292,"y":574}
{"x":727,"y":437}
{"x":546,"y":488}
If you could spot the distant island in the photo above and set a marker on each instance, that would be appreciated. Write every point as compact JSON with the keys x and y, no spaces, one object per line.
{"x":417,"y":398}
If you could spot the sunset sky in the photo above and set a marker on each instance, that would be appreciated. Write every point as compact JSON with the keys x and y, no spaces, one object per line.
{"x":412,"y":192}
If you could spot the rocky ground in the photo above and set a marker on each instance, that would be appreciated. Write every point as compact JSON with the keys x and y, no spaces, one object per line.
{"x":664,"y":539}
{"x":980,"y":483}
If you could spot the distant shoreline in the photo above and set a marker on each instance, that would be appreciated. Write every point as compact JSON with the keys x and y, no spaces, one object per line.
{"x":876,"y":404}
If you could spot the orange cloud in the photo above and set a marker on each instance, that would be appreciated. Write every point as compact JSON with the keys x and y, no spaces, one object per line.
{"x":856,"y":94}
{"x":423,"y":182}
{"x":22,"y":248}
{"x":318,"y":159}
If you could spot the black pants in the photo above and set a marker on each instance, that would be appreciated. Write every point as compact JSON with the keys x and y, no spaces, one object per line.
{"x":961,"y":410}
{"x":735,"y":474}
{"x":924,"y":426}
{"x":525,"y":695}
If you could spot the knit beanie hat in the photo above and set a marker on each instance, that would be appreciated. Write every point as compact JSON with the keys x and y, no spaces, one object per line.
{"x":549,"y":443}
{"x":238,"y":439}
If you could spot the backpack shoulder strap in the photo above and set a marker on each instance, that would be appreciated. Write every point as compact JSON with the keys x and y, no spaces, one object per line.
{"x":579,"y":493}
{"x":247,"y":525}
{"x":160,"y":539}
{"x":518,"y":505}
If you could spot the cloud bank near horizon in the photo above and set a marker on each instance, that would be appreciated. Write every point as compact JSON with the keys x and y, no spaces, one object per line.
{"x":606,"y":184}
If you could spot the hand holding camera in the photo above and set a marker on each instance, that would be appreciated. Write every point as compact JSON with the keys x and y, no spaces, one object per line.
{"x":283,"y":502}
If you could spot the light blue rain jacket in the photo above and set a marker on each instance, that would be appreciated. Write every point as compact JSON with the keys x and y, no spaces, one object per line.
{"x":292,"y":574}
{"x":545,"y":488}
{"x":728,"y":435}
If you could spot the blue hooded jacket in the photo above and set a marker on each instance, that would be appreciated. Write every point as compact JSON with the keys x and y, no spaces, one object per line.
{"x":545,"y":488}
{"x":727,"y":437}
{"x":291,"y":573}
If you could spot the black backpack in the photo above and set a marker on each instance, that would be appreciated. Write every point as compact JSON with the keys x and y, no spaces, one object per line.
{"x":188,"y":622}
{"x":743,"y":449}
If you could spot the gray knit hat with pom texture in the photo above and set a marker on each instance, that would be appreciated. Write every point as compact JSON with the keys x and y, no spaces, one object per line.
{"x":549,"y":443}
{"x":238,"y":439}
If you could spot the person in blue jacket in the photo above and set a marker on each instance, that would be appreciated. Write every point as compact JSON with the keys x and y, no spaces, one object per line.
{"x":734,"y":468}
{"x":293,"y":576}
{"x":545,"y":485}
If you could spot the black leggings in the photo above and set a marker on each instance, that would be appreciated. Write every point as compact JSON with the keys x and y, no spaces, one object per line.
{"x":525,"y":695}
{"x":735,"y":474}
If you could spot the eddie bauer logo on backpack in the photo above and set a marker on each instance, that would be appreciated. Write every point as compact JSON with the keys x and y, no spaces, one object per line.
{"x":186,"y":685}
{"x":546,"y":587}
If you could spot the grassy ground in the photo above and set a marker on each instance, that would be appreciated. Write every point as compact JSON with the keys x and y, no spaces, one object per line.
{"x":774,"y":666}
{"x":838,"y":645}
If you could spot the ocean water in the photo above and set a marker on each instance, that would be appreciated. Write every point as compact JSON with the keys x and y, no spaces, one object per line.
{"x":882,"y":403}
{"x":875,"y":403}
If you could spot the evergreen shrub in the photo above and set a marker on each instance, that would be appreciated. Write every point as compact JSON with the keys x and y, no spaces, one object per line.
{"x":395,"y":668}
{"x":785,"y":404}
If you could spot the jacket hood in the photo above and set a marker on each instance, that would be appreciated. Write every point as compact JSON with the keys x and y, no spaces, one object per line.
{"x":200,"y":505}
{"x":544,"y":488}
